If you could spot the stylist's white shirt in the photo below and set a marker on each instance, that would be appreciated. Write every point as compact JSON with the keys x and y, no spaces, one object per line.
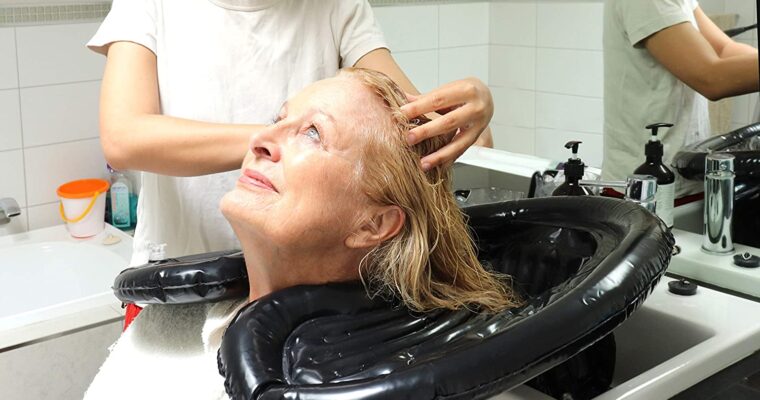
{"x":227,"y":61}
{"x":639,"y":91}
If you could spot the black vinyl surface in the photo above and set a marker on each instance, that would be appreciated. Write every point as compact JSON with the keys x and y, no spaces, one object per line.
{"x":584,"y":264}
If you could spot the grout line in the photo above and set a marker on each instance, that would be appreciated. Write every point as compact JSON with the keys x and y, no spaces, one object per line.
{"x":43,"y":204}
{"x":57,"y":84}
{"x":512,"y":88}
{"x":36,"y":146}
{"x":549,"y":47}
{"x":438,"y":45}
{"x":535,"y":79}
{"x":21,"y":123}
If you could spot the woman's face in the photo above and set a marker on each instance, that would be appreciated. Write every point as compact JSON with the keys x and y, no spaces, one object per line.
{"x":297,"y":186}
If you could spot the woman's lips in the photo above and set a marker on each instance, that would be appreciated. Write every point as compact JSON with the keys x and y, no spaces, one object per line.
{"x":254,"y":178}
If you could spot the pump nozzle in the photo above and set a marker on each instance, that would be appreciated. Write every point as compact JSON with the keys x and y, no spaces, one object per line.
{"x":655,"y":127}
{"x":573,"y":144}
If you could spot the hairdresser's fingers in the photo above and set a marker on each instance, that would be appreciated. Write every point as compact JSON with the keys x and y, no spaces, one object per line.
{"x":449,"y":153}
{"x":446,"y":96}
{"x":411,"y":97}
{"x":457,"y":119}
{"x":450,"y":95}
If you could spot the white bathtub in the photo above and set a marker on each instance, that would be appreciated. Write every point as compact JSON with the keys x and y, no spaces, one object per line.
{"x":53,"y":283}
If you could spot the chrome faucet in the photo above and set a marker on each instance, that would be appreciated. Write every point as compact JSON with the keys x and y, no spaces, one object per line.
{"x":8,"y":208}
{"x":719,"y":203}
{"x":640,"y":189}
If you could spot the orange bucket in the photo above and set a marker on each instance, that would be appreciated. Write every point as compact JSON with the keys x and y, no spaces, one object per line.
{"x":83,"y":206}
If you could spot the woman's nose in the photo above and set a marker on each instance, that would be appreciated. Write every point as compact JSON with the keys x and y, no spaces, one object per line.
{"x":265,"y":143}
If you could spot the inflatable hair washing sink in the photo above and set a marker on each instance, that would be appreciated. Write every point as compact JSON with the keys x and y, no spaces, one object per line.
{"x":582,"y":274}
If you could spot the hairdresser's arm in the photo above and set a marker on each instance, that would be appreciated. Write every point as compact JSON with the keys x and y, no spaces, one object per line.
{"x":693,"y":59}
{"x":466,"y":103}
{"x":723,"y":45}
{"x":135,"y":135}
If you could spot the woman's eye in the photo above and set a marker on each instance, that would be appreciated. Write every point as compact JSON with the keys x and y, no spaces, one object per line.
{"x":313,"y":134}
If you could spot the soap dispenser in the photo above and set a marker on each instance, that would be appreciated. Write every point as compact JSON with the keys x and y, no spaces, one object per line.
{"x":574,"y":169}
{"x":665,"y":178}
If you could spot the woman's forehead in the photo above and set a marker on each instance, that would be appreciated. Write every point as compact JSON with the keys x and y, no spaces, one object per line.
{"x":340,"y":94}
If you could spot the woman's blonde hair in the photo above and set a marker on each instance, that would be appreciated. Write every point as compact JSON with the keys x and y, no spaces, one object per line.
{"x":431,"y":263}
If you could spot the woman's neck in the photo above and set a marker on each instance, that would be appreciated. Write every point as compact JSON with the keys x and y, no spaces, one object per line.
{"x":271,"y":269}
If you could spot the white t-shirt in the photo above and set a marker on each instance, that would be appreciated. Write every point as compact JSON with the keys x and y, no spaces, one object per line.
{"x":639,"y":91}
{"x":227,"y":61}
{"x":168,"y":352}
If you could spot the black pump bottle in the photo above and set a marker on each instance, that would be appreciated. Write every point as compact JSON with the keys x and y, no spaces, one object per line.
{"x":574,"y":169}
{"x":665,"y":177}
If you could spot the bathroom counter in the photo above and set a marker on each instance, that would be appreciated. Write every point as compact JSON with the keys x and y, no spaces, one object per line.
{"x":719,"y":270}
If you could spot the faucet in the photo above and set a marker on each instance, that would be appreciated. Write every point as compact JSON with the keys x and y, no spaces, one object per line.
{"x":640,"y":189}
{"x":8,"y":208}
{"x":719,"y":203}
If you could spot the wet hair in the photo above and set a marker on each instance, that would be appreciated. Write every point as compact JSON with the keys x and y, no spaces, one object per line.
{"x":431,"y":263}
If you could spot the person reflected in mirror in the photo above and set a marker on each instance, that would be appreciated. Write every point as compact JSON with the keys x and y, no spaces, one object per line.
{"x":663,"y":61}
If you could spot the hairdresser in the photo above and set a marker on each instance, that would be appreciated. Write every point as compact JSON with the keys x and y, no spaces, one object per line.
{"x":187,"y":82}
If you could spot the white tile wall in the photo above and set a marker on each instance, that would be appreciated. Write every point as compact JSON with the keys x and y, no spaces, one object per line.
{"x":462,"y":62}
{"x":463,"y":24}
{"x":514,"y":107}
{"x":558,"y":111}
{"x":12,"y":167}
{"x":575,"y":25}
{"x":48,"y":167}
{"x":49,"y":88}
{"x":409,"y":27}
{"x":514,"y":138}
{"x":56,"y":54}
{"x":513,"y":66}
{"x":8,"y":69}
{"x":10,"y":120}
{"x":61,"y":113}
{"x":44,"y":215}
{"x":551,"y":52}
{"x":575,"y":72}
{"x":421,"y":67}
{"x":513,"y":23}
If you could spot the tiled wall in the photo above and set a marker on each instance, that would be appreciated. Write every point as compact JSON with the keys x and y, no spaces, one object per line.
{"x":546,"y":77}
{"x":435,"y":44}
{"x":49,"y":87}
{"x":542,"y":60}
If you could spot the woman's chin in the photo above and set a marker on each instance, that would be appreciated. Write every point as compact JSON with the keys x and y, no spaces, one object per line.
{"x":238,"y":206}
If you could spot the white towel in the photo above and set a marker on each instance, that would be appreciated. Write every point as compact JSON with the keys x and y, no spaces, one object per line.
{"x":168,"y":352}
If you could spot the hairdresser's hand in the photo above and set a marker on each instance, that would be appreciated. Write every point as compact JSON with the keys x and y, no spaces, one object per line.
{"x":465,"y":107}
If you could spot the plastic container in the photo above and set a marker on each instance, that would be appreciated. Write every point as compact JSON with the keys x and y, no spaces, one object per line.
{"x":654,"y":166}
{"x":121,"y":191}
{"x":83,"y":205}
{"x":574,"y":170}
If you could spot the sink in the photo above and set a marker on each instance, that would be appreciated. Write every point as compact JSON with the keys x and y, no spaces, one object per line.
{"x":54,"y":284}
{"x":673,"y":342}
{"x":689,"y":217}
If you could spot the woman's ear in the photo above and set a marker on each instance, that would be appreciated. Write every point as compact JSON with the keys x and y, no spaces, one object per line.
{"x":383,"y":224}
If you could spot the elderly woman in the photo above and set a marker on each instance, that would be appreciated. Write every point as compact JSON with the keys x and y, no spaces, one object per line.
{"x":329,"y":192}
